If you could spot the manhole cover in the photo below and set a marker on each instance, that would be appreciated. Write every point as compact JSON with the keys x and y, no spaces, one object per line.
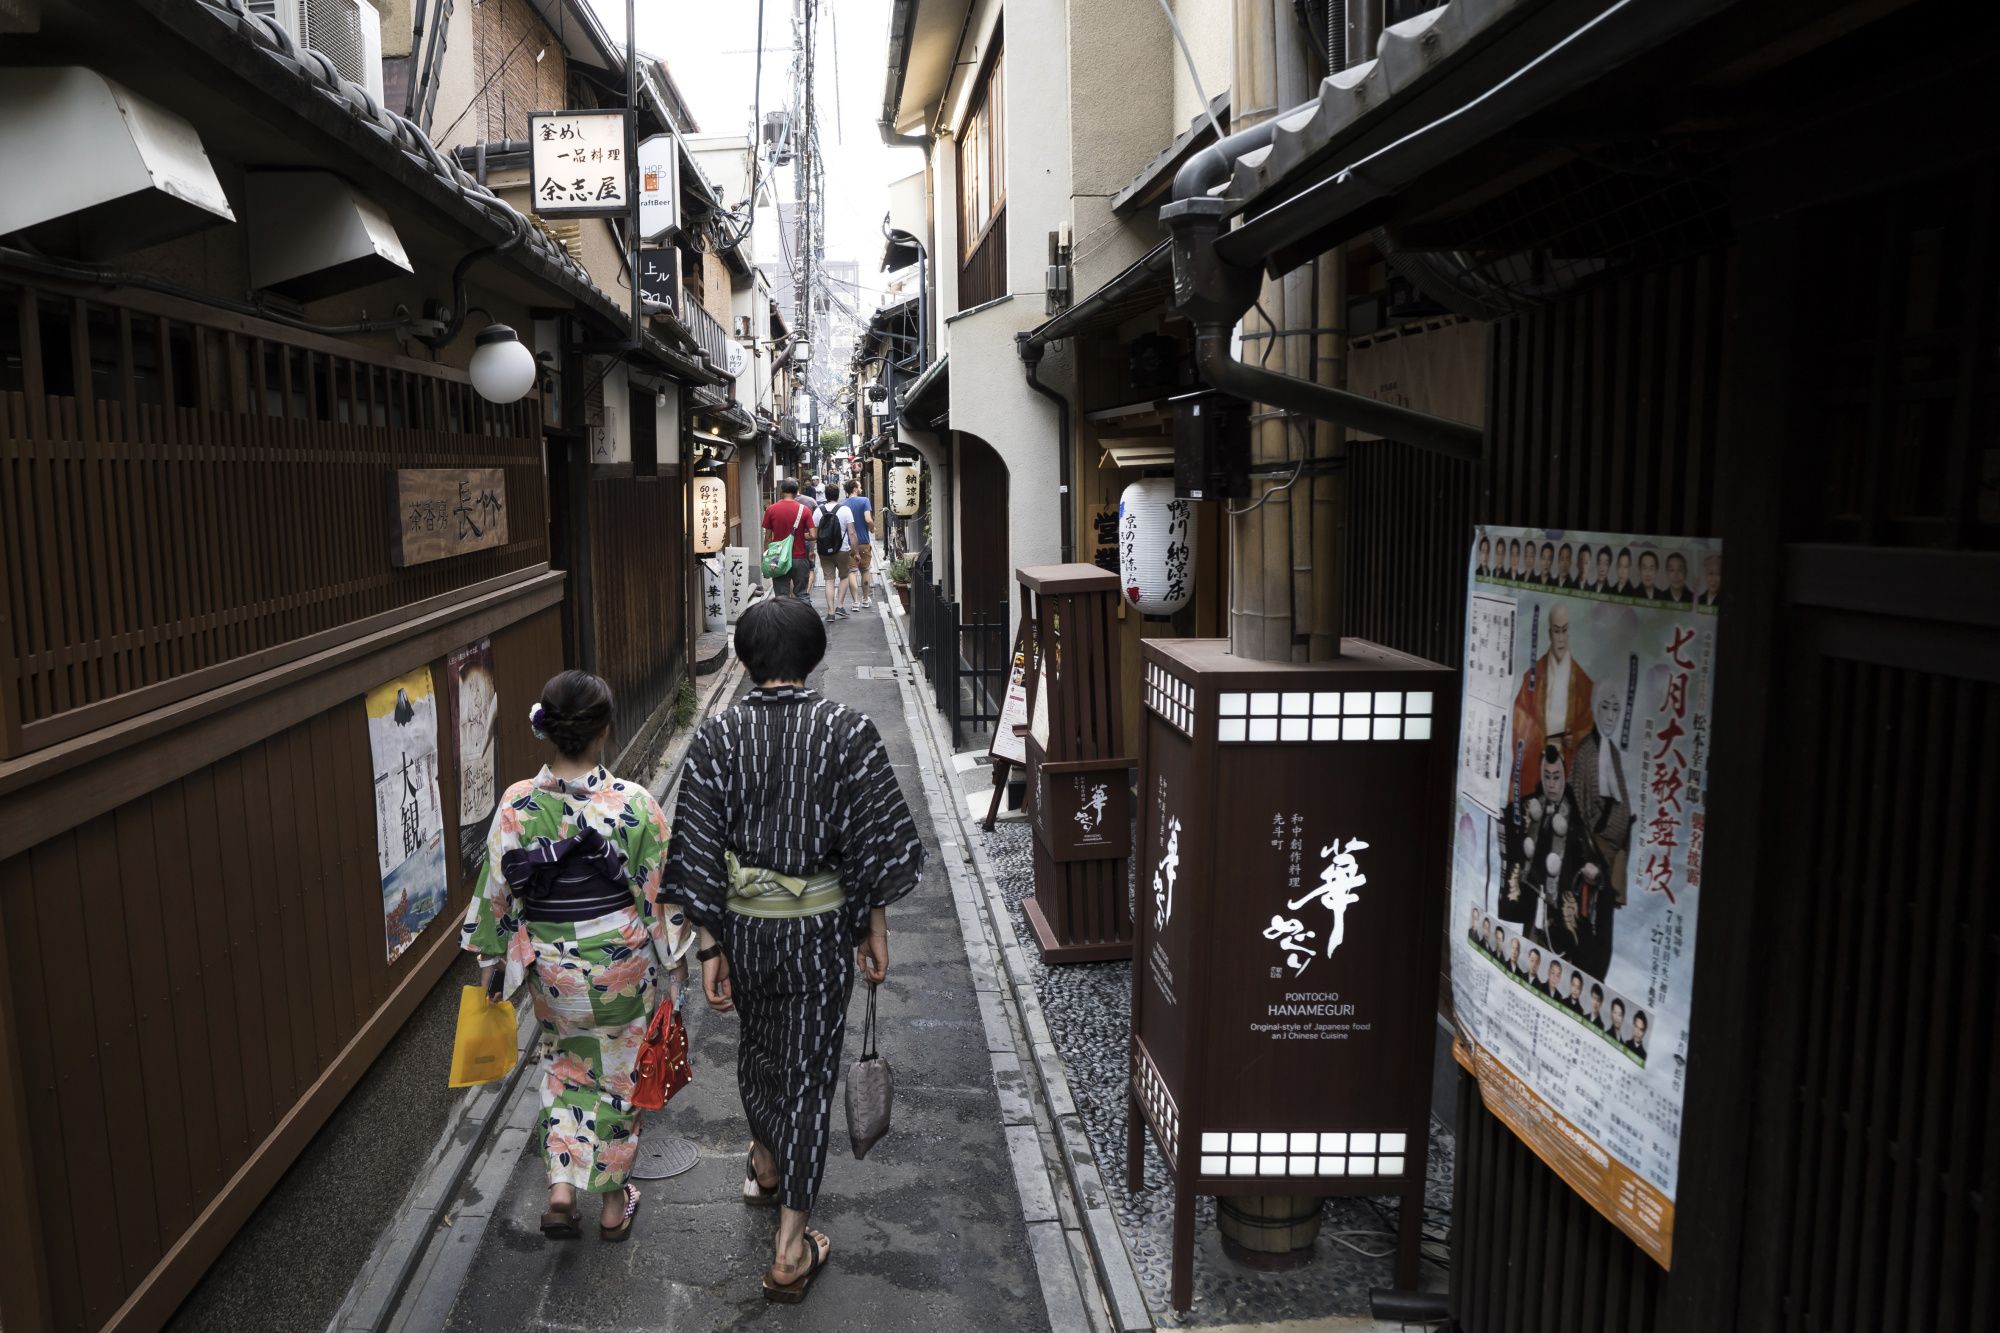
{"x":878,"y":673}
{"x":663,"y":1156}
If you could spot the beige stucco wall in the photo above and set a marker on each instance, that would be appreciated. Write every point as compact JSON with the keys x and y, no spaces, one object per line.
{"x":1210,"y":29}
{"x":1118,"y":110}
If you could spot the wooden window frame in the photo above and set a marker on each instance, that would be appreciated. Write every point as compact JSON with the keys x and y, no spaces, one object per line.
{"x":985,"y":126}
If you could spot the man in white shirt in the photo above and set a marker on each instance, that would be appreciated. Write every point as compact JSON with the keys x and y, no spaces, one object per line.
{"x":836,"y":558}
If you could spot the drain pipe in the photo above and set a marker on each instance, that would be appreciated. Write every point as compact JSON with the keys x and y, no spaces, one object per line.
{"x":1031,"y":361}
{"x":1214,"y":293}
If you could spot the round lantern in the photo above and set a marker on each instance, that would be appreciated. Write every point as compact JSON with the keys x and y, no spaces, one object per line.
{"x":1155,"y":547}
{"x":905,"y":492}
{"x":711,"y":515}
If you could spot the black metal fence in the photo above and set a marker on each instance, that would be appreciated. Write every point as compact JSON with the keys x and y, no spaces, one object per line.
{"x":965,"y":655}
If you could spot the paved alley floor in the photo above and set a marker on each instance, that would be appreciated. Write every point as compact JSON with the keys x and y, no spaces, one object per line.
{"x":927,"y":1233}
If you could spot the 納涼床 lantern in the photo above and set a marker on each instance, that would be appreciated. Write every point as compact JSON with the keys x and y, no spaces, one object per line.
{"x":711,"y":515}
{"x":1155,"y":547}
{"x":904,"y":490}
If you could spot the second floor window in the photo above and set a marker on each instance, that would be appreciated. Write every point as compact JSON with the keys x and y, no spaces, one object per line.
{"x":982,"y":191}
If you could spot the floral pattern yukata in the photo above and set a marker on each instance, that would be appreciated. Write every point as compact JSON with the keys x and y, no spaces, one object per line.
{"x":596,"y":982}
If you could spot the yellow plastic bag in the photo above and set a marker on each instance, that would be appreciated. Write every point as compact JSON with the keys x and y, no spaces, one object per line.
{"x":484,"y":1047}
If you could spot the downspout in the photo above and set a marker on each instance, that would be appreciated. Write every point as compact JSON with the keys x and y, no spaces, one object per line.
{"x":1031,"y":361}
{"x":1214,"y":294}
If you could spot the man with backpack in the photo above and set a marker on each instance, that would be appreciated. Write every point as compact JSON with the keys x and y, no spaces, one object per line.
{"x":788,"y":549}
{"x":862,"y":510}
{"x":836,"y":557}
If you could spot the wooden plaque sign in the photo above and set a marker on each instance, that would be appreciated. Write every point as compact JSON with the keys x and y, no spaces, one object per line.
{"x":1080,"y":810}
{"x":1080,"y":911}
{"x":442,"y":512}
{"x":1290,"y":893}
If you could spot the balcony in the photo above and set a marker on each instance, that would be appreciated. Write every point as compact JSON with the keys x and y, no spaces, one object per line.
{"x":709,"y":335}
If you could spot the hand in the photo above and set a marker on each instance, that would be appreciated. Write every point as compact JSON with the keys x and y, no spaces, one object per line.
{"x":677,"y":982}
{"x":872,"y":957}
{"x":715,"y":984}
{"x":494,"y":976}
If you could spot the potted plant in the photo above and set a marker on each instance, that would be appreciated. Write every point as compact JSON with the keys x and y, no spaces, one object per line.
{"x":899,"y":578}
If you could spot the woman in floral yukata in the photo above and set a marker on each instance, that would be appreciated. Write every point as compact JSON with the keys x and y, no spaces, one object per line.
{"x":571,"y":902}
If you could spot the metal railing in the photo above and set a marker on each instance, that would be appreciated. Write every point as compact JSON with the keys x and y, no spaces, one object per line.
{"x":965,"y":656}
{"x":709,"y":334}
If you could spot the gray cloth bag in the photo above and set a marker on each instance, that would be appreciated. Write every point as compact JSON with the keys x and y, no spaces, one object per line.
{"x":871,"y":1090}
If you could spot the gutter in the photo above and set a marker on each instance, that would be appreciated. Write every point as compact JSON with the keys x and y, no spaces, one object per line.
{"x":902,"y":18}
{"x":1156,"y":261}
{"x":1031,"y":361}
{"x":1214,"y":294}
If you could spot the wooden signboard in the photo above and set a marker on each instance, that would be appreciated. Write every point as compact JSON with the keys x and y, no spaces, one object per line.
{"x":442,"y":512}
{"x":1080,"y":912}
{"x":1290,"y":894}
{"x":1081,"y":810}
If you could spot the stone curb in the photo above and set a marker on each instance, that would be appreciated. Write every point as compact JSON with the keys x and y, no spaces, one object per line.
{"x":1097,"y":1248}
{"x":400,"y":1251}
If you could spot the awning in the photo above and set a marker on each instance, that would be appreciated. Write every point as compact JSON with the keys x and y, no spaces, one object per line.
{"x":1150,"y":186}
{"x":927,"y":401}
{"x":1144,"y":287}
{"x":1442,"y":83}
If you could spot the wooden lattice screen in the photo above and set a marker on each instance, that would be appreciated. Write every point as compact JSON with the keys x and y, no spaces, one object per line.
{"x":188,"y":497}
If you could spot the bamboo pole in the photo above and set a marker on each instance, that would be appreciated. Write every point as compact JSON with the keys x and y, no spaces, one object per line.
{"x":1273,"y":580}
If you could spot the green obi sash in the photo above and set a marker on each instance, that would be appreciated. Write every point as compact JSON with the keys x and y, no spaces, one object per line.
{"x":754,"y":891}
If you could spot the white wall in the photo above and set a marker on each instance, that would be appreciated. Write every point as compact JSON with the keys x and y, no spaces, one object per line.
{"x":1210,"y":28}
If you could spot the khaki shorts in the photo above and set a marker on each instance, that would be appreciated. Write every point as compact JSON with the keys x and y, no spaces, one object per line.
{"x":864,"y":557}
{"x":836,"y":566}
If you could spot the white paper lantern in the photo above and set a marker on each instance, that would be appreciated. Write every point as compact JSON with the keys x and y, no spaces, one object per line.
{"x":711,"y":515}
{"x":905,"y":493}
{"x":1155,"y":547}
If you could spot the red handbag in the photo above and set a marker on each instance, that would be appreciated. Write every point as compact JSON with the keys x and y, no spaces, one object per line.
{"x":663,"y":1060}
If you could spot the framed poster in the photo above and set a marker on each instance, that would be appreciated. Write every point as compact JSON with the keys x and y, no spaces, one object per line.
{"x":1577,"y":850}
{"x":475,"y":692}
{"x":409,"y":819}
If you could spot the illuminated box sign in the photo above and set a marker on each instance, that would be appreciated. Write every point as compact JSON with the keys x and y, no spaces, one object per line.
{"x":659,"y":186}
{"x":660,"y":280}
{"x":1290,"y":886}
{"x":578,"y":163}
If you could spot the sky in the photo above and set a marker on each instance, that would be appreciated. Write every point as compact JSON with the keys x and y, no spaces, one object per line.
{"x":710,"y":47}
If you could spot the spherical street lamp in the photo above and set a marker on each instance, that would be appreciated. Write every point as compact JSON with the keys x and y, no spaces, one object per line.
{"x":503,"y":369}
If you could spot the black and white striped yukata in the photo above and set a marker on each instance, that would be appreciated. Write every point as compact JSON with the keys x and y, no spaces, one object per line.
{"x":798,"y":784}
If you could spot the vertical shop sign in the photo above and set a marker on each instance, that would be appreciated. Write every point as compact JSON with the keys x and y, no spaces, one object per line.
{"x":1577,"y":850}
{"x":409,"y":820}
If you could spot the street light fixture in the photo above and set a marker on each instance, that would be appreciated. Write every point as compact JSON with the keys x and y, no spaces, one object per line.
{"x":502,"y":368}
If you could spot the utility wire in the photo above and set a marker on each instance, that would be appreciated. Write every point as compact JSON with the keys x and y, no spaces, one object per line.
{"x":1193,"y":73}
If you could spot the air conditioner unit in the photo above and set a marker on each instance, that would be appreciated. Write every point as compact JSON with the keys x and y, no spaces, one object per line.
{"x":346,"y":32}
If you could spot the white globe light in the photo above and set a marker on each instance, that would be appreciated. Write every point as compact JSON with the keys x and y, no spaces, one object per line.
{"x":503,"y":369}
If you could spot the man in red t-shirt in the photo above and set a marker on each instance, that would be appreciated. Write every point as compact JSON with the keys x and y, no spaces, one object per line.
{"x":790,"y":516}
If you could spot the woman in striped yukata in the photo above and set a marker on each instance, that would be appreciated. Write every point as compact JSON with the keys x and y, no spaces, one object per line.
{"x":792,"y":840}
{"x":571,"y":902}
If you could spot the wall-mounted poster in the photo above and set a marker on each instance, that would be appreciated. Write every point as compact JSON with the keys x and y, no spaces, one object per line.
{"x":1577,"y":850}
{"x":409,"y":821}
{"x":476,"y":691}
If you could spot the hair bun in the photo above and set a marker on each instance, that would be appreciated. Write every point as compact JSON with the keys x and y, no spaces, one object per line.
{"x":575,"y":710}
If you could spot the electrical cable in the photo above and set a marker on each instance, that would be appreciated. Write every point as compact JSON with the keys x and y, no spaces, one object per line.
{"x":1187,"y":56}
{"x":481,"y":90}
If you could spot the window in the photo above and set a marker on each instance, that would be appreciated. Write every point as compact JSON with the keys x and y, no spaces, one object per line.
{"x":981,"y":145}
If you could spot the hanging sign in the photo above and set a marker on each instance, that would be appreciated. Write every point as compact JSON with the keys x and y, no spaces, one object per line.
{"x":1577,"y":850}
{"x":660,"y":281}
{"x":577,"y":163}
{"x":659,"y":186}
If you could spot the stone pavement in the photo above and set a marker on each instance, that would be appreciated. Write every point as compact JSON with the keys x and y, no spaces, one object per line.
{"x":927,"y":1234}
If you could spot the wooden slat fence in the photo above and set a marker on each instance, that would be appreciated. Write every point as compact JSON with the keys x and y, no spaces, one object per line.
{"x":637,"y":584}
{"x":187,"y":497}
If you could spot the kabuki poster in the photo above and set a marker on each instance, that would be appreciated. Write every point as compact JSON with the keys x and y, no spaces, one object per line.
{"x":409,"y":817}
{"x":1577,"y":850}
